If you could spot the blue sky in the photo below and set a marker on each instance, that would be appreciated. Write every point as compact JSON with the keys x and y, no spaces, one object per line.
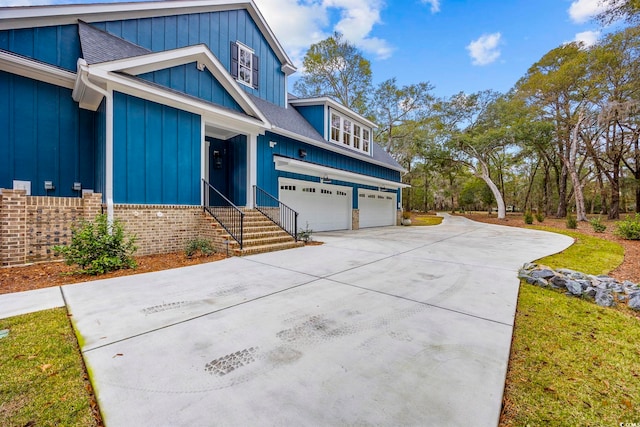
{"x":456,"y":45}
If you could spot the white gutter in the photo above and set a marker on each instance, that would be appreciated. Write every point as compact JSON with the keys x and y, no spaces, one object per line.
{"x":83,"y":72}
{"x":333,"y":147}
{"x":287,"y":164}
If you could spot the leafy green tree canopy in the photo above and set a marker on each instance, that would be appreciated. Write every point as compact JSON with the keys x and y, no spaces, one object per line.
{"x":336,"y":68}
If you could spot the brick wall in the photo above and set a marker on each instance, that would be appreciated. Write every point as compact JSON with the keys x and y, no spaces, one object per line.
{"x":31,"y":225}
{"x":167,"y":228}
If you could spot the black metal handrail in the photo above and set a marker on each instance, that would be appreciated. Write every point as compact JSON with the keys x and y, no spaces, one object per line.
{"x":224,"y":211}
{"x":282,"y":215}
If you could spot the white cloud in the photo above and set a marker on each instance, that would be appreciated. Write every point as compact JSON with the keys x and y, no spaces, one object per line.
{"x":485,"y":49}
{"x":583,"y":10}
{"x":587,"y":38}
{"x":435,"y":5}
{"x":308,"y":21}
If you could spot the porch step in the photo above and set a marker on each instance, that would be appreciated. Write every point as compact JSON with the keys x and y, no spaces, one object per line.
{"x":260,"y":235}
{"x":253,"y":250}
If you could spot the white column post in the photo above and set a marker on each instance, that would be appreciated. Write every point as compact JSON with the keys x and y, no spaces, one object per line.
{"x":252,"y":167}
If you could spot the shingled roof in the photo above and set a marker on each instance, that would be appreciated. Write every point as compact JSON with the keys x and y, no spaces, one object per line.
{"x":291,"y":120}
{"x":99,"y":46}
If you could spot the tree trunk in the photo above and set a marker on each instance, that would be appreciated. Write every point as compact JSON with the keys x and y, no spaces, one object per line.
{"x":614,"y":208}
{"x":581,"y":214}
{"x":562,"y":193}
{"x":484,"y":174}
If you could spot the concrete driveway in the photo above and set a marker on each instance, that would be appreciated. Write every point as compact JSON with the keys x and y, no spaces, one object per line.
{"x":386,"y":326}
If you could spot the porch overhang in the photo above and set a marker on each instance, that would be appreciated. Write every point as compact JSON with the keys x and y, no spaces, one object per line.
{"x":287,"y":164}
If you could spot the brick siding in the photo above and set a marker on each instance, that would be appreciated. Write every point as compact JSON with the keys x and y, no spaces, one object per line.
{"x":31,"y":225}
{"x":167,"y":228}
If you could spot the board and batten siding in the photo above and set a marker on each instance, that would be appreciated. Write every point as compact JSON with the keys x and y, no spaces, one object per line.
{"x":287,"y":147}
{"x":189,"y":80}
{"x":216,"y":30}
{"x":44,"y":136}
{"x":57,"y":45}
{"x":156,"y":152}
{"x":314,"y":114}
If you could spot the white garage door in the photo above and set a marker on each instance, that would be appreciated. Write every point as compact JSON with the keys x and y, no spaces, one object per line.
{"x":377,"y":208}
{"x":324,"y":206}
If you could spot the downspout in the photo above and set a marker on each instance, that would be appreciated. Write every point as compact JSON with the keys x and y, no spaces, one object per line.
{"x":84,"y":77}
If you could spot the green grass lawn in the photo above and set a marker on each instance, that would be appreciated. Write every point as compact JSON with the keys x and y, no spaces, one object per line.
{"x":573,"y":362}
{"x":426,"y":220}
{"x":42,"y":378}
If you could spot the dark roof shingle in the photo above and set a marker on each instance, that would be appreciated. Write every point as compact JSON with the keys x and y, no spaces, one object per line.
{"x":99,"y":46}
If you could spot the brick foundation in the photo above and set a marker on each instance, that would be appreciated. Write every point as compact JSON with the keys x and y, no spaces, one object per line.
{"x":167,"y":228}
{"x":31,"y":225}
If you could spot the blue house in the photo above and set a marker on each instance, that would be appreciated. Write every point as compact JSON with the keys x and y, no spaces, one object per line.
{"x":181,"y":104}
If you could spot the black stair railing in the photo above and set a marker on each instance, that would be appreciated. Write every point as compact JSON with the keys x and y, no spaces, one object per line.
{"x":224,"y":211}
{"x":281,"y":214}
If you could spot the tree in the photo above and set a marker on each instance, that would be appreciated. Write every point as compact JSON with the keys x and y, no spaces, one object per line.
{"x":629,"y":10}
{"x":398,"y":110}
{"x":336,"y":68}
{"x":556,"y":86}
{"x":477,"y":136}
{"x":614,"y":67}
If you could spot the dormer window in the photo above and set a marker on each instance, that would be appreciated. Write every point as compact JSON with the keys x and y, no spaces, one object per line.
{"x":346,"y":134}
{"x":349,"y":133}
{"x":244,"y":65}
{"x":335,"y":127}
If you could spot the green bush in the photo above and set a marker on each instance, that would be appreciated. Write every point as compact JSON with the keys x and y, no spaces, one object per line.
{"x":629,"y":228}
{"x":98,"y":247}
{"x":528,"y":217}
{"x":305,"y":234}
{"x":597,"y":225}
{"x":539,"y":216}
{"x":199,"y":245}
{"x":572,"y":222}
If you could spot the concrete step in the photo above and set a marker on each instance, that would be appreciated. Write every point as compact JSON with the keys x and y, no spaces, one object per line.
{"x":252,"y":250}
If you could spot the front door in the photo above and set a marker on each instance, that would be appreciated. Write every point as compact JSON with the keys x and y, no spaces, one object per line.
{"x":218,"y":169}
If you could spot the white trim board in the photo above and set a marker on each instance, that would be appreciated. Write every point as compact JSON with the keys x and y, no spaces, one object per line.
{"x":287,"y":164}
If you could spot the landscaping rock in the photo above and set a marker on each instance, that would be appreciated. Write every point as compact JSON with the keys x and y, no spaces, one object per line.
{"x":604,"y":289}
{"x":604,"y":298}
{"x":574,"y":287}
{"x":634,"y":300}
{"x":559,"y":281}
{"x":544,"y":273}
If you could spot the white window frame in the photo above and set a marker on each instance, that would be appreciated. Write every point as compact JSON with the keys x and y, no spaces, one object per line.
{"x":348,"y":137}
{"x":366,"y":142}
{"x":347,"y":130}
{"x":243,"y":53}
{"x":357,"y":132}
{"x":336,"y":131}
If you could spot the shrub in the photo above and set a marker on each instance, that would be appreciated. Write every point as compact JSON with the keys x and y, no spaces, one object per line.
{"x":528,"y":217}
{"x":629,"y":228}
{"x":406,"y":215}
{"x":98,"y":247}
{"x":305,"y":234}
{"x":572,"y":222}
{"x":597,"y":225}
{"x":199,"y":245}
{"x":539,"y":216}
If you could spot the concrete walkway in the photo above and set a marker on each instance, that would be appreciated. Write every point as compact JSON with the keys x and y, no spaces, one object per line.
{"x":386,"y":326}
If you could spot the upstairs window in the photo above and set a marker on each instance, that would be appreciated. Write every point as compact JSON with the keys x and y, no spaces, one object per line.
{"x":344,"y":131}
{"x":365,"y":140}
{"x":335,"y":127}
{"x":244,"y":65}
{"x":346,"y":134}
{"x":356,"y":136}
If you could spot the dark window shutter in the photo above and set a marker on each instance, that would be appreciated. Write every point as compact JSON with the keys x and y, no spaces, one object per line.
{"x":254,"y":73}
{"x":234,"y":60}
